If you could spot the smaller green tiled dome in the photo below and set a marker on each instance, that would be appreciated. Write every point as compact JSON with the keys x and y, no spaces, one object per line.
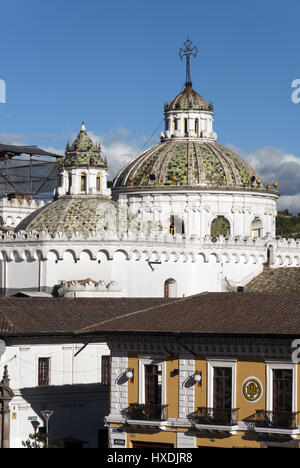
{"x":189,"y":99}
{"x":83,"y":214}
{"x":83,"y":152}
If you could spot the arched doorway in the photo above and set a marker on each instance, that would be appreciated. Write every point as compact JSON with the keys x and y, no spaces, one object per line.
{"x":170,"y":288}
{"x":220,"y":226}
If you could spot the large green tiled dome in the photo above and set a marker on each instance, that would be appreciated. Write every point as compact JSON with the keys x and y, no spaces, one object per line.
{"x":83,"y":214}
{"x":188,"y":163}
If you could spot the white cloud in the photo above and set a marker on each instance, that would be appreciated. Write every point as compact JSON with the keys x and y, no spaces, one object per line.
{"x":291,"y":202}
{"x":22,"y":138}
{"x":51,"y":149}
{"x":276,"y":165}
{"x":118,"y":149}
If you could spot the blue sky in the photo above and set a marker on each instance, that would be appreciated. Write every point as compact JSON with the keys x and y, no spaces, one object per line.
{"x":114,"y":64}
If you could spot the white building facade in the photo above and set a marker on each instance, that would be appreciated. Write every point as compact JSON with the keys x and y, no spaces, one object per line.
{"x":185,"y":216}
{"x":74,"y":390}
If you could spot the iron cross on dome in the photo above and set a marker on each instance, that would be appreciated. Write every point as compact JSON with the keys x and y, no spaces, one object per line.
{"x":187,"y":52}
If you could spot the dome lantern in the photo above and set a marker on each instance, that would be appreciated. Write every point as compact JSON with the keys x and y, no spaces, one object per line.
{"x":188,"y":115}
{"x":83,"y":171}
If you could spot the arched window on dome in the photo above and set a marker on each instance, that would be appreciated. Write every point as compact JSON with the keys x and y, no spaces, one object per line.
{"x":256,"y":228}
{"x":196,"y":126}
{"x":176,"y":225}
{"x":98,"y":182}
{"x":83,"y":182}
{"x":220,"y":226}
{"x":170,"y":288}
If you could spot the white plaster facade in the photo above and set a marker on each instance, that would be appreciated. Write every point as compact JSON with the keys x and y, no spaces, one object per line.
{"x":70,"y":182}
{"x":75,"y":393}
{"x":13,"y":211}
{"x":199,"y":125}
{"x":138,"y":266}
{"x":198,"y":208}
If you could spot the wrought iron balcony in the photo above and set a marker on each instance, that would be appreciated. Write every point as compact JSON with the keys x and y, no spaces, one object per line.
{"x":147,"y":412}
{"x":272,"y":420}
{"x":216,"y":416}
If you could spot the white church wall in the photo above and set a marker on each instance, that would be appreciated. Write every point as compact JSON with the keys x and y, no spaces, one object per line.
{"x":75,"y":393}
{"x":138,"y":266}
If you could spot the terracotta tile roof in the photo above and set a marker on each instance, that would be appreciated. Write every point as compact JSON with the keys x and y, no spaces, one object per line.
{"x":276,"y":279}
{"x":32,"y":315}
{"x":214,"y":313}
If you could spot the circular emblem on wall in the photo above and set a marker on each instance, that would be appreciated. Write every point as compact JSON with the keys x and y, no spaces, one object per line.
{"x":252,"y":389}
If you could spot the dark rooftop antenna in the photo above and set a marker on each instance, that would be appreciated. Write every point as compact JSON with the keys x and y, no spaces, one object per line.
{"x":187,"y":52}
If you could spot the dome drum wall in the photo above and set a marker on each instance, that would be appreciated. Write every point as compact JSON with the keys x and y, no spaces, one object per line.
{"x":72,"y":184}
{"x":189,"y":124}
{"x":189,"y":116}
{"x":197,"y":210}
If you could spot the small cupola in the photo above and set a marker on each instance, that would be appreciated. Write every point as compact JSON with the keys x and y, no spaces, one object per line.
{"x":189,"y":115}
{"x":83,"y":171}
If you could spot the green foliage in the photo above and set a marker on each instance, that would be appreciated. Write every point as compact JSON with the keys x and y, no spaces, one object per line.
{"x":287,"y":225}
{"x":39,"y":441}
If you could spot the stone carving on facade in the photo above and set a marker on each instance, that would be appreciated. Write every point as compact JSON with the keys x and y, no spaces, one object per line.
{"x":6,"y":395}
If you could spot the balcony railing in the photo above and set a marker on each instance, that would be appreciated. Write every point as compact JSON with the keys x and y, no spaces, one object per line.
{"x":272,"y":420}
{"x":216,"y":416}
{"x":147,"y":412}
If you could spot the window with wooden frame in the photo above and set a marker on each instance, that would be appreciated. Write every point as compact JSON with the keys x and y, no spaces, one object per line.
{"x":222,"y":388}
{"x":153,"y":384}
{"x":283,"y":390}
{"x":221,"y":382}
{"x":43,"y":372}
{"x":105,"y":370}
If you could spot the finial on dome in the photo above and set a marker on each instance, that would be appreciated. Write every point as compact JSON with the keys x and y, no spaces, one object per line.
{"x":187,"y":52}
{"x":82,"y":127}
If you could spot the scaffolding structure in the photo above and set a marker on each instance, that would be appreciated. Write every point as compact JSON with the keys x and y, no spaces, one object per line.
{"x":27,"y":172}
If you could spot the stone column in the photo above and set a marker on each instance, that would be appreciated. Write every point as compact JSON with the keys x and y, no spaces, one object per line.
{"x":6,"y":395}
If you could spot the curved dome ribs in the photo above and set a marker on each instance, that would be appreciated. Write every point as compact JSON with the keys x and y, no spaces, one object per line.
{"x":130,"y":169}
{"x":165,"y":163}
{"x":136,"y":172}
{"x":200,"y":165}
{"x":188,"y":163}
{"x":177,"y":166}
{"x":142,"y":173}
{"x":233,"y":170}
{"x":214,"y":171}
{"x":227,"y":166}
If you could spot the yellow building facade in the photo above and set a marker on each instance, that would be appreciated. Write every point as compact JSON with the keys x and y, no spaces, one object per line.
{"x":196,"y":392}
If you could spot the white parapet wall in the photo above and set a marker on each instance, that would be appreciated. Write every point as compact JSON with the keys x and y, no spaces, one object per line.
{"x":138,"y":265}
{"x":13,"y":211}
